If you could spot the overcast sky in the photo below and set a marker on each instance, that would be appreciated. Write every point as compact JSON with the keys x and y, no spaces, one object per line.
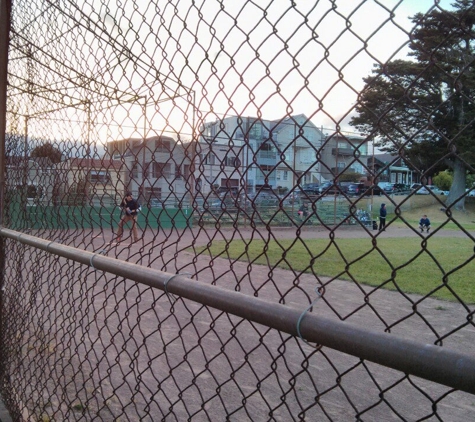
{"x":250,"y":58}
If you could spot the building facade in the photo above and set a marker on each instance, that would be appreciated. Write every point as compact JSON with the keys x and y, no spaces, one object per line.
{"x":261,"y":154}
{"x":245,"y":154}
{"x":392,"y":169}
{"x":91,"y":181}
{"x":343,"y":153}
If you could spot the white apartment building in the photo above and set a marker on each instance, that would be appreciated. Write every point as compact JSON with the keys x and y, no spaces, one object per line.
{"x":253,"y":153}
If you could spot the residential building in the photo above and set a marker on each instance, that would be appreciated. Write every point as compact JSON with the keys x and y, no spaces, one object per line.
{"x":36,"y":178}
{"x":90,"y":181}
{"x":343,"y":153}
{"x":218,"y":166}
{"x":155,"y":171}
{"x":392,"y":168}
{"x":236,"y":153}
{"x":299,"y":143}
{"x":259,"y":154}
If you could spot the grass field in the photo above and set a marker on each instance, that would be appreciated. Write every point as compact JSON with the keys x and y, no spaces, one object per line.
{"x":444,"y":269}
{"x":414,"y":207}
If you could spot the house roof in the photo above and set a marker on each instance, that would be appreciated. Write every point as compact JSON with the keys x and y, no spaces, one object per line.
{"x":384,"y":159}
{"x":293,"y":120}
{"x":16,"y":160}
{"x":95,"y":163}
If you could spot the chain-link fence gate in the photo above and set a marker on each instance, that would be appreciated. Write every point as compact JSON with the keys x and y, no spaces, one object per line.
{"x":192,"y":210}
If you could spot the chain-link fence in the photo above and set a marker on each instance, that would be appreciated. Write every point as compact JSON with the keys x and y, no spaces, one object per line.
{"x":212,"y":211}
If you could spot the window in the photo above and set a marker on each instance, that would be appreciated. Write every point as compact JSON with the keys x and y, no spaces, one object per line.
{"x":286,"y":175}
{"x":177,"y":171}
{"x":135,"y":171}
{"x":153,"y":193}
{"x":255,"y":131}
{"x":210,"y":158}
{"x":98,"y":176}
{"x":162,"y":145}
{"x":146,"y":170}
{"x":266,"y":146}
{"x":266,"y":169}
{"x":341,"y":164}
{"x":231,"y":161}
{"x":161,"y":170}
{"x":342,"y":145}
{"x":186,"y":171}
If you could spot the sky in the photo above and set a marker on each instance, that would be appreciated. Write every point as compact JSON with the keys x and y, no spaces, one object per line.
{"x":167,"y":66}
{"x":269,"y":58}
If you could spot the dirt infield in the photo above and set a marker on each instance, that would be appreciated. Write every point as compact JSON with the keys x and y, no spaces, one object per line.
{"x":382,"y":310}
{"x":136,"y":353}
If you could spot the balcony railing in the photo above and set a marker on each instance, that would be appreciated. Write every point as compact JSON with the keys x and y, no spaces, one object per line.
{"x":343,"y":151}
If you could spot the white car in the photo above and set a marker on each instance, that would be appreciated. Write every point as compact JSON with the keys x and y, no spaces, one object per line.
{"x":426,"y":190}
{"x":422,"y":191}
{"x":471,"y":192}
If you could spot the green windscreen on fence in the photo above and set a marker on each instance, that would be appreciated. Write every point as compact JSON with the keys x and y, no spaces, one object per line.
{"x":75,"y":217}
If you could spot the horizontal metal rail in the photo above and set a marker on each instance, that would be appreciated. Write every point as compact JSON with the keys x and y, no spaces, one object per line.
{"x":433,"y":363}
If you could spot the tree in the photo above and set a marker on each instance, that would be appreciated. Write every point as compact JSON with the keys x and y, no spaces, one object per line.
{"x":47,"y":150}
{"x":443,"y":180}
{"x":423,"y":108}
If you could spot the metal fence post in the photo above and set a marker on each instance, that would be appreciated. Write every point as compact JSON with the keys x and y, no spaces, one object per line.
{"x":5,"y":10}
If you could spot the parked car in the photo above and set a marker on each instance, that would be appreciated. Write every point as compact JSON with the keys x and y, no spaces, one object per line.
{"x":362,"y":189}
{"x":261,"y":199}
{"x":389,"y":188}
{"x":384,"y":185}
{"x":427,"y":189}
{"x":311,"y":187}
{"x":401,"y":187}
{"x":331,"y":188}
{"x":471,"y":192}
{"x":395,"y":188}
{"x":356,"y":189}
{"x":422,"y":190}
{"x":310,"y":195}
{"x":374,"y":190}
{"x":219,"y":205}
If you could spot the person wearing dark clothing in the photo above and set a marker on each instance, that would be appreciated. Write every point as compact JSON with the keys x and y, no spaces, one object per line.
{"x":424,"y":223}
{"x":382,"y":217}
{"x":303,"y":211}
{"x":130,"y":208}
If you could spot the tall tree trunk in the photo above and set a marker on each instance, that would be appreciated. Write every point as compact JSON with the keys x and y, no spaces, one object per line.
{"x":457,"y":189}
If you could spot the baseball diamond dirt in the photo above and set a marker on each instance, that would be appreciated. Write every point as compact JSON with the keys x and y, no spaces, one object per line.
{"x":165,"y":358}
{"x":173,"y":251}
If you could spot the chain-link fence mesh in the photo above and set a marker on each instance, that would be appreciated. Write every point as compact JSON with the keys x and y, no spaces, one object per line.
{"x":212,"y":139}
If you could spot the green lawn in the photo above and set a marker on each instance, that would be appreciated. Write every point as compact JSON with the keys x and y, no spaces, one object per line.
{"x":444,"y":269}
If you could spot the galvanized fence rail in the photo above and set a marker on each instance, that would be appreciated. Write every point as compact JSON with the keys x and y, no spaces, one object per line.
{"x":192,"y":199}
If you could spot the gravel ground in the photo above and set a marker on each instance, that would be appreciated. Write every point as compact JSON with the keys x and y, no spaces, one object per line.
{"x":161,"y":358}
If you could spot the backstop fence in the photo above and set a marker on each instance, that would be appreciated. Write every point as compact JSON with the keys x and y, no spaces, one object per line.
{"x":211,"y":210}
